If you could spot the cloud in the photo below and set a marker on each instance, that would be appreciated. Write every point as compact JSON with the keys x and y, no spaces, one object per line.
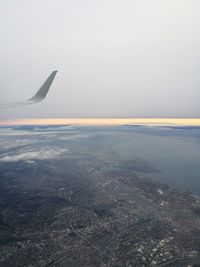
{"x":35,"y":154}
{"x":73,"y":137}
{"x":5,"y":144}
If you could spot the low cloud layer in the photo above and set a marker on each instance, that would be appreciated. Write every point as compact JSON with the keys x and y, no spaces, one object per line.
{"x":35,"y":154}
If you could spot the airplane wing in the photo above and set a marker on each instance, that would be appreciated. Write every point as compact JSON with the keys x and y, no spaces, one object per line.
{"x":39,"y":96}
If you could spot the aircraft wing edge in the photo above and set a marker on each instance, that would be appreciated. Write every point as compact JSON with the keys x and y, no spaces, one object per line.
{"x":38,"y":97}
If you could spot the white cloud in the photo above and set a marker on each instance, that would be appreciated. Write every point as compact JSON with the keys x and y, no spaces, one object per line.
{"x":35,"y":154}
{"x":5,"y":144}
{"x":73,"y":137}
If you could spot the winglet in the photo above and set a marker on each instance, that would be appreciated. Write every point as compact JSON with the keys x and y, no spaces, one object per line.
{"x":42,"y":92}
{"x":39,"y":96}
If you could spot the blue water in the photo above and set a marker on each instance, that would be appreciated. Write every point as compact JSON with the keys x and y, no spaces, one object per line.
{"x":176,"y":152}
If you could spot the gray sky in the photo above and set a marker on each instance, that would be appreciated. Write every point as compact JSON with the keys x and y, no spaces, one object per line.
{"x":116,"y":58}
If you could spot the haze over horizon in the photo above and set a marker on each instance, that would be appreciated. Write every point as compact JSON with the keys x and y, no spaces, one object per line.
{"x":114,"y":58}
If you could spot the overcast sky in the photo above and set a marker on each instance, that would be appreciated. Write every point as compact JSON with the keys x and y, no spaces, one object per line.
{"x":115,"y":58}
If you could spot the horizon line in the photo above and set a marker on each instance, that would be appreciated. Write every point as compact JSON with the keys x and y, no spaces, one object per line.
{"x":102,"y":121}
